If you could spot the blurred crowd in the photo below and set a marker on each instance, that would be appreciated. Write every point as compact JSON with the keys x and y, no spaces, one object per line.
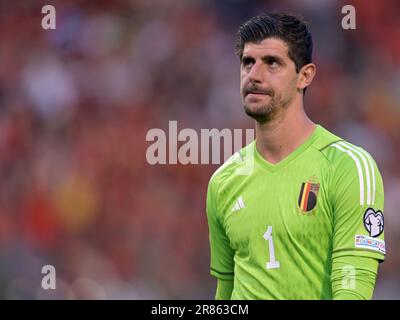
{"x":77,"y":102}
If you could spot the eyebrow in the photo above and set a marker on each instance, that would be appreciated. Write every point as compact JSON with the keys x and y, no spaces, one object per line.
{"x":266,"y":59}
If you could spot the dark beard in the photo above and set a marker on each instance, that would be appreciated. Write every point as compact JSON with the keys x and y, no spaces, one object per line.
{"x":263,"y":114}
{"x":269,"y":112}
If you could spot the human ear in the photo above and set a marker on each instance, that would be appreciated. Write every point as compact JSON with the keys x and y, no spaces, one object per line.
{"x":306,"y":75}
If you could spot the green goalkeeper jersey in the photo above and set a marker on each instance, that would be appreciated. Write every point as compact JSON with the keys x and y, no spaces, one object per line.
{"x":275,"y":228}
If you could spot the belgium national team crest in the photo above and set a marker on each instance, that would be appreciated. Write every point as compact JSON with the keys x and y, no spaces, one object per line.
{"x":308,"y":196}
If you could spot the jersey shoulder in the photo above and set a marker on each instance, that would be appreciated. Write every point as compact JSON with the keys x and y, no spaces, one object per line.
{"x":342,"y":154}
{"x":352,"y":165}
{"x":235,"y":165}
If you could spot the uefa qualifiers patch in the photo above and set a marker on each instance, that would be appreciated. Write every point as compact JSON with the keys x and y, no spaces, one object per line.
{"x":367,"y":242}
{"x":373,"y":222}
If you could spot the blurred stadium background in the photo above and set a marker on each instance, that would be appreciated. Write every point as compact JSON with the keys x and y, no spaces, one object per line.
{"x":76,"y":103}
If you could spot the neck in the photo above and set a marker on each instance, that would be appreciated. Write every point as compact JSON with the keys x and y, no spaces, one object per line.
{"x":279,"y":137}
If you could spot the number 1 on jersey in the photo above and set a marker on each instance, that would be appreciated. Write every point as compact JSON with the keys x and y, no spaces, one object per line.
{"x":272,"y":264}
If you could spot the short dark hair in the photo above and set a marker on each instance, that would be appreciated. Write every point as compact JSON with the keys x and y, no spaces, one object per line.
{"x":292,"y":29}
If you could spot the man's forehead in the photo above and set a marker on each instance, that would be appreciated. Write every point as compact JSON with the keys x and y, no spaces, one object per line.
{"x":269,"y":46}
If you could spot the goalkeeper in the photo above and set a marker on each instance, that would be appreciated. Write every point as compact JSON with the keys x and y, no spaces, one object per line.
{"x":298,"y":213}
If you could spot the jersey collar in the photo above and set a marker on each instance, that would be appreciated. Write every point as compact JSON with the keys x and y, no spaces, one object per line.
{"x":284,"y":162}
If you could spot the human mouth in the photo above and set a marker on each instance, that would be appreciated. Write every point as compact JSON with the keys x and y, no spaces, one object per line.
{"x":257,"y":93}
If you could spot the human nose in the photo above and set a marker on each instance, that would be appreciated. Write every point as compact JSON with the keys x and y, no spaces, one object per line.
{"x":256,"y":74}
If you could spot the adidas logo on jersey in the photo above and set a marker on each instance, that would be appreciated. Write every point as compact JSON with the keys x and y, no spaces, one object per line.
{"x":239,"y":204}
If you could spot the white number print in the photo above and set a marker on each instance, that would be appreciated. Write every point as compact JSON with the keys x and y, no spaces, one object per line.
{"x":272,"y":264}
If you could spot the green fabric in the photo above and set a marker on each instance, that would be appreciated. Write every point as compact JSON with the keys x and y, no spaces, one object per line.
{"x":224,"y":289}
{"x":267,"y":235}
{"x":353,"y":277}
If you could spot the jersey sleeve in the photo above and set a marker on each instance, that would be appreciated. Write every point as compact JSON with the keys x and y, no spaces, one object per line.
{"x":357,"y":205}
{"x":354,"y":277}
{"x":222,"y":264}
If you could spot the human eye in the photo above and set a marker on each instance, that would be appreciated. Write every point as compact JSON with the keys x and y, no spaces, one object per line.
{"x":247,"y":62}
{"x":274,"y":64}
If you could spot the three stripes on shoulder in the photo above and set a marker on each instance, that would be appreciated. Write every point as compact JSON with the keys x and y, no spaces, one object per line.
{"x":365,"y":167}
{"x":239,"y":204}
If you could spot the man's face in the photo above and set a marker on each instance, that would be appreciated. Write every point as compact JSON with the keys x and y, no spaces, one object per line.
{"x":268,"y":79}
